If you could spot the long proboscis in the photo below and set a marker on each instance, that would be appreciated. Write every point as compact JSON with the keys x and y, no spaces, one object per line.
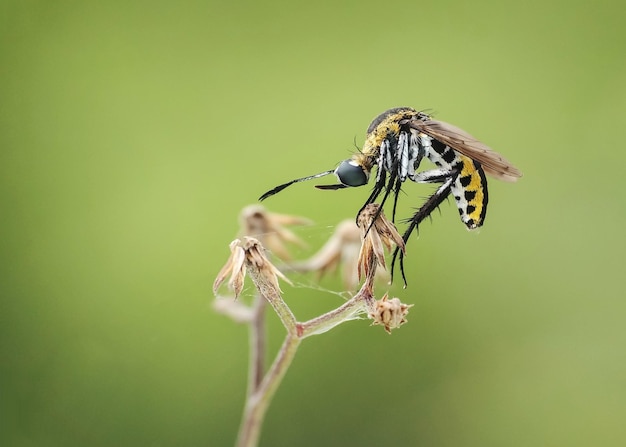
{"x":331,"y":187}
{"x":279,"y":188}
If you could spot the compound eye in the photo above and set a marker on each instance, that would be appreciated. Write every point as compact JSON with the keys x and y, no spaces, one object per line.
{"x":351,"y":174}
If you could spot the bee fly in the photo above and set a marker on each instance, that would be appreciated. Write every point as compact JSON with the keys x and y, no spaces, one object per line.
{"x":397,"y":141}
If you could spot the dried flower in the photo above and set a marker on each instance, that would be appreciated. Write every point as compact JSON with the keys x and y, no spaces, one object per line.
{"x":389,"y":313}
{"x":376,"y":231}
{"x":270,"y":229}
{"x":249,"y":253}
{"x":341,"y":248}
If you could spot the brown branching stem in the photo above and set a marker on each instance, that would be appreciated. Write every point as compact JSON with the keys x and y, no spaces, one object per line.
{"x":249,"y":257}
{"x":257,"y":403}
{"x":349,"y":310}
{"x":257,"y":344}
{"x":260,"y":397}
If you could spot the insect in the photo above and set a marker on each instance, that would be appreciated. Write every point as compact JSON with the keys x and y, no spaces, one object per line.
{"x":397,"y":141}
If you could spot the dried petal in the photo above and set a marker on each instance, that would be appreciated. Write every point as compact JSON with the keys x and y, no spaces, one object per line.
{"x":239,"y":273}
{"x":376,"y":231}
{"x":235,"y":267}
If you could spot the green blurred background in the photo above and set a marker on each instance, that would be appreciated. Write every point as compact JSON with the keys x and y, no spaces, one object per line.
{"x":132,"y":133}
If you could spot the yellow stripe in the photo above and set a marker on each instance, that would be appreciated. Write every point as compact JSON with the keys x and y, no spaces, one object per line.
{"x":478,"y":185}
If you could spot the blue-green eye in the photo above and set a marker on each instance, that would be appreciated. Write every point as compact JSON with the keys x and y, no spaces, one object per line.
{"x":351,"y":174}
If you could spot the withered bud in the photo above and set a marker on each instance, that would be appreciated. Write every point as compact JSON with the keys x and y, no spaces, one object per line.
{"x":376,"y":231}
{"x":389,"y":313}
{"x":247,"y":254}
{"x":269,"y":228}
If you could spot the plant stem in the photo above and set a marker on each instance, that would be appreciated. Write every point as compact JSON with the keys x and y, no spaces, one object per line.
{"x":329,"y":320}
{"x":257,"y":344}
{"x":257,"y":402}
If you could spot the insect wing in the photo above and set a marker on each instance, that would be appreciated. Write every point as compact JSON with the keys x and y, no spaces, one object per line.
{"x":459,"y":140}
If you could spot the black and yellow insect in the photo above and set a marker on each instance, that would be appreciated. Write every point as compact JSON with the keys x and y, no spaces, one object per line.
{"x":397,"y":141}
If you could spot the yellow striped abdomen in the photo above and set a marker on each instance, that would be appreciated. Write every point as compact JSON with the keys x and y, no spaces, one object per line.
{"x":470,"y":187}
{"x":470,"y":193}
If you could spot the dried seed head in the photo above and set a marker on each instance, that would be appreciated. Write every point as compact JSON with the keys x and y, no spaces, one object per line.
{"x":255,"y":257}
{"x":390,"y":313}
{"x":235,"y":267}
{"x":269,"y":228}
{"x":376,"y":231}
{"x":342,"y":248}
{"x":247,"y":254}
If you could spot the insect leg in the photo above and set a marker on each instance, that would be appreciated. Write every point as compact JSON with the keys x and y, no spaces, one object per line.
{"x":381,"y":175}
{"x":391,"y":185}
{"x":396,"y":192}
{"x":394,"y":183}
{"x":403,"y":156}
{"x":399,"y":163}
{"x":434,"y":176}
{"x":447,"y":178}
{"x":417,"y":151}
{"x":412,"y":154}
{"x":387,"y":161}
{"x":378,"y":187}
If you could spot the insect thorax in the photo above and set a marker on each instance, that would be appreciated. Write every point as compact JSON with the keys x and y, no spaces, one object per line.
{"x":386,"y":126}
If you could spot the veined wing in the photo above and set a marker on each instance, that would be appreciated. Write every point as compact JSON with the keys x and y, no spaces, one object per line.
{"x":492,"y":162}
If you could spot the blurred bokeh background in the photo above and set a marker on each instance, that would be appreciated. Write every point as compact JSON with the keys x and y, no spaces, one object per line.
{"x":133,"y":132}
